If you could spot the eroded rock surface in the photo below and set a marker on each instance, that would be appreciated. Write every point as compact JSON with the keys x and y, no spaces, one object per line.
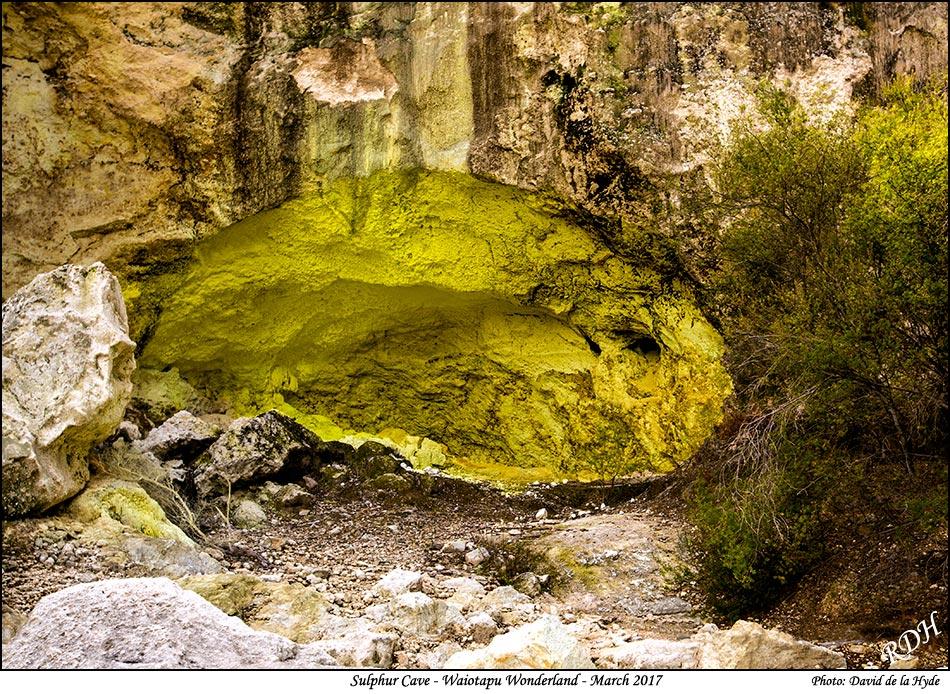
{"x":129,"y":129}
{"x":150,"y":624}
{"x":486,"y":319}
{"x":541,"y":645}
{"x":67,"y":363}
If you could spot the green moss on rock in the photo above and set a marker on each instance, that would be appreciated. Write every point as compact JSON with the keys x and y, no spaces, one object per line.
{"x":113,"y":500}
{"x":476,"y":315}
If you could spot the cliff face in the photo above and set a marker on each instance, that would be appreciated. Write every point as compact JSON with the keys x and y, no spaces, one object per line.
{"x":134,"y":133}
{"x":126,"y":124}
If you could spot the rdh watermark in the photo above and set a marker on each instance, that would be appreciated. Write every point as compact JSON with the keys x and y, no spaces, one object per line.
{"x":908,"y":642}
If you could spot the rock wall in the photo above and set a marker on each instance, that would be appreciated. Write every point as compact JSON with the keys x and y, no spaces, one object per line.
{"x":132,"y":129}
{"x":477,"y":315}
{"x":142,"y":134}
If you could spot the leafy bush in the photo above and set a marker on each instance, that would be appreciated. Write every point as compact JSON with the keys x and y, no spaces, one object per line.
{"x":832,"y":294}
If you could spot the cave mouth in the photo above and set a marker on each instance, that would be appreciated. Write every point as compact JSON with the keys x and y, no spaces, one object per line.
{"x":472,"y":314}
{"x":638,"y":343}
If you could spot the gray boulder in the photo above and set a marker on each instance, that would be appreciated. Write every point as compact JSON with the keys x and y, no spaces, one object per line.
{"x":259,"y":448}
{"x":146,"y":623}
{"x":182,"y":436}
{"x":67,"y":366}
{"x":165,"y":557}
{"x":248,"y":514}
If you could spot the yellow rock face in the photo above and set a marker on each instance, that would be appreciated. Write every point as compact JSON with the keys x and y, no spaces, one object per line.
{"x":113,"y":500}
{"x":482,"y":317}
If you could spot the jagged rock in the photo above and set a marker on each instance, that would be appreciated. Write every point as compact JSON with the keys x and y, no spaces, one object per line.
{"x":182,"y":436}
{"x":258,"y":448}
{"x":247,"y":514}
{"x":651,"y":654}
{"x":397,"y":582}
{"x":544,"y":644}
{"x":126,"y":503}
{"x":146,"y":623}
{"x":417,"y":614}
{"x":749,"y":646}
{"x":67,"y":362}
{"x":128,"y":431}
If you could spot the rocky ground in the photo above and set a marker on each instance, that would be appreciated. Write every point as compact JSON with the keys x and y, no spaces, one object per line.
{"x":604,"y":571}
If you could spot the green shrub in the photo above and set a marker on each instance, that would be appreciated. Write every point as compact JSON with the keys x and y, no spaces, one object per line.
{"x":832,"y":297}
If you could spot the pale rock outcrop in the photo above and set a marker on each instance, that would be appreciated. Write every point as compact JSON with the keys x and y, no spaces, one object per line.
{"x":133,"y":127}
{"x":13,"y":621}
{"x":144,"y":623}
{"x":67,"y":362}
{"x":161,"y":556}
{"x":360,"y":646}
{"x":651,"y":654}
{"x":396,"y":582}
{"x":298,"y":613}
{"x":543,"y":644}
{"x":466,"y":591}
{"x":745,"y":646}
{"x":750,"y":646}
{"x":417,"y":614}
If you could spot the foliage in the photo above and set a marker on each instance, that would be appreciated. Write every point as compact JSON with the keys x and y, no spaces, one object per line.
{"x":832,"y":293}
{"x":509,"y":559}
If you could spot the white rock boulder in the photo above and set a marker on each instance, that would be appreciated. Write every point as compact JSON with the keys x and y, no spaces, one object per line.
{"x":544,"y":644}
{"x":67,"y":366}
{"x":146,"y":623}
{"x":750,"y":646}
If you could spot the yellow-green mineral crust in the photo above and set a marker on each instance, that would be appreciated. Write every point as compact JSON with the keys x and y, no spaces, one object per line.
{"x":479,"y":316}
